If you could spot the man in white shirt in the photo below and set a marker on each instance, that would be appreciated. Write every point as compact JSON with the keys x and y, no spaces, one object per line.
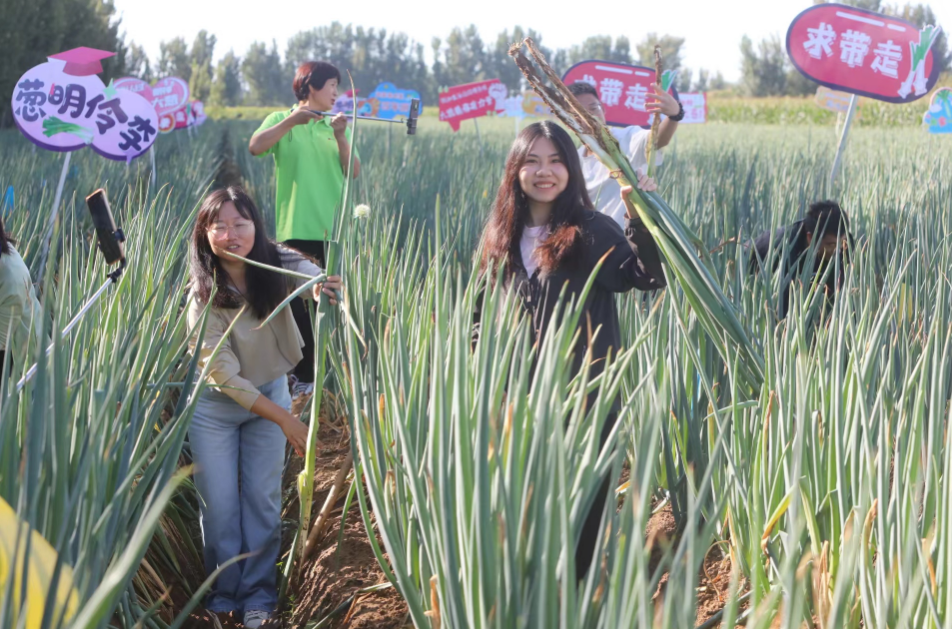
{"x":604,"y":191}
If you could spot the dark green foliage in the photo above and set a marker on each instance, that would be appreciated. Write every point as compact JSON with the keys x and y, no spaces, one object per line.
{"x":32,"y":30}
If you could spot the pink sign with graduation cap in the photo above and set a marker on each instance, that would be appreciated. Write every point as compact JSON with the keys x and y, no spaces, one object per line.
{"x":62,"y":105}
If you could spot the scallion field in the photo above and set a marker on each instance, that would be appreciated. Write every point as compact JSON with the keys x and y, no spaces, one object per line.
{"x":822,"y":498}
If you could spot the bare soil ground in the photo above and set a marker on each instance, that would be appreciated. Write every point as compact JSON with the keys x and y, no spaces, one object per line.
{"x":713,"y":578}
{"x":337,"y":571}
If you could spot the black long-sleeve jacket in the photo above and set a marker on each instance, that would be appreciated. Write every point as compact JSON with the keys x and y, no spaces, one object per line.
{"x":633,"y":261}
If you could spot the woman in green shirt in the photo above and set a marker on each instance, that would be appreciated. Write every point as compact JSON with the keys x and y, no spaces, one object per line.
{"x":311,"y":158}
{"x":19,"y":308}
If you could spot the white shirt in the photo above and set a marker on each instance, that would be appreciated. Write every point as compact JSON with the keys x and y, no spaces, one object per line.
{"x":531,"y":238}
{"x":604,"y":191}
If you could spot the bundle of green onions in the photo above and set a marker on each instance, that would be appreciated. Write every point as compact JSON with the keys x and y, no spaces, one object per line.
{"x":917,"y":75}
{"x":53,"y":126}
{"x":677,"y":242}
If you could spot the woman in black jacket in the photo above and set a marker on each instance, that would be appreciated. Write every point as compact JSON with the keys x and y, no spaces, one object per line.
{"x":545,"y":231}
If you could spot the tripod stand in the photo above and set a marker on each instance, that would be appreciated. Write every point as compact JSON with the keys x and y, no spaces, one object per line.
{"x":112,"y":278}
{"x":110,"y":243}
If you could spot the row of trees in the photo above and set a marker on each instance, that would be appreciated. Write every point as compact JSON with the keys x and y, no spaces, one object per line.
{"x":30,"y":30}
{"x":263,"y":76}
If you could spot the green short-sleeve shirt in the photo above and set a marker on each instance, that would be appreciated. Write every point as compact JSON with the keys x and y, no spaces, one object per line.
{"x":309,"y":179}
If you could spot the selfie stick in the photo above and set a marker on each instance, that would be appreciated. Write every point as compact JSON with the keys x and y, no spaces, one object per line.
{"x":411,"y":122}
{"x":110,"y":243}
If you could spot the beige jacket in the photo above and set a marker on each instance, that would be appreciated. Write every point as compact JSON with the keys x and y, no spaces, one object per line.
{"x":19,"y":309}
{"x":249,"y":358}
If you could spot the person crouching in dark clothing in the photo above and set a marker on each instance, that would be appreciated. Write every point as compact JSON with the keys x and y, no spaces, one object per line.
{"x":827,"y":226}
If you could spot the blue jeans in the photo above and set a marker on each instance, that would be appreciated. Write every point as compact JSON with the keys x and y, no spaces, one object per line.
{"x":232,"y":446}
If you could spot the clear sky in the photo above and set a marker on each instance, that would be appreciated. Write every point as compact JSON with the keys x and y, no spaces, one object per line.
{"x":712,"y":30}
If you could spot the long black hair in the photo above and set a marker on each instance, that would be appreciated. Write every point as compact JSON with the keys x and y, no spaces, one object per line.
{"x":265,"y":289}
{"x":511,"y":208}
{"x":4,"y":239}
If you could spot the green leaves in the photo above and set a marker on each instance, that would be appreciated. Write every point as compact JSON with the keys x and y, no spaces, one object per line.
{"x":481,"y":459}
{"x":53,"y":126}
{"x":475,"y":468}
{"x":89,"y":450}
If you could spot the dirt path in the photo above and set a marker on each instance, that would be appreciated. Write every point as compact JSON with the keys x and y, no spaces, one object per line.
{"x":338,"y":570}
{"x":713,"y":578}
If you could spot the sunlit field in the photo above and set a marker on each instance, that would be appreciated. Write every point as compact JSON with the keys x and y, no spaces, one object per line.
{"x":821,"y":499}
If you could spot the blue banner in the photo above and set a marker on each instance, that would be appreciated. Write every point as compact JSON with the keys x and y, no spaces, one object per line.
{"x":939,"y":117}
{"x":392,"y":102}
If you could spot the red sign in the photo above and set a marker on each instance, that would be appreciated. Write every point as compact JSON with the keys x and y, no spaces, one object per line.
{"x":472,"y":100}
{"x":167,"y":123}
{"x":183,"y":117}
{"x":169,"y":95}
{"x":133,"y":84}
{"x":864,"y":53}
{"x":622,"y":89}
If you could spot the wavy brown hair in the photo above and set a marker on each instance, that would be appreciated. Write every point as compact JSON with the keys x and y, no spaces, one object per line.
{"x":511,"y":208}
{"x":265,"y":289}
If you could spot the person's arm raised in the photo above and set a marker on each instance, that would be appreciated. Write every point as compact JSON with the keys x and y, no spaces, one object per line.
{"x":666,"y":104}
{"x":339,"y":125}
{"x":266,"y":138}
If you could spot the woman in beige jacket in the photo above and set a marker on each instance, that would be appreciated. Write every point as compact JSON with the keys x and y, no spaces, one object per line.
{"x":242,"y":421}
{"x":19,"y":308}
